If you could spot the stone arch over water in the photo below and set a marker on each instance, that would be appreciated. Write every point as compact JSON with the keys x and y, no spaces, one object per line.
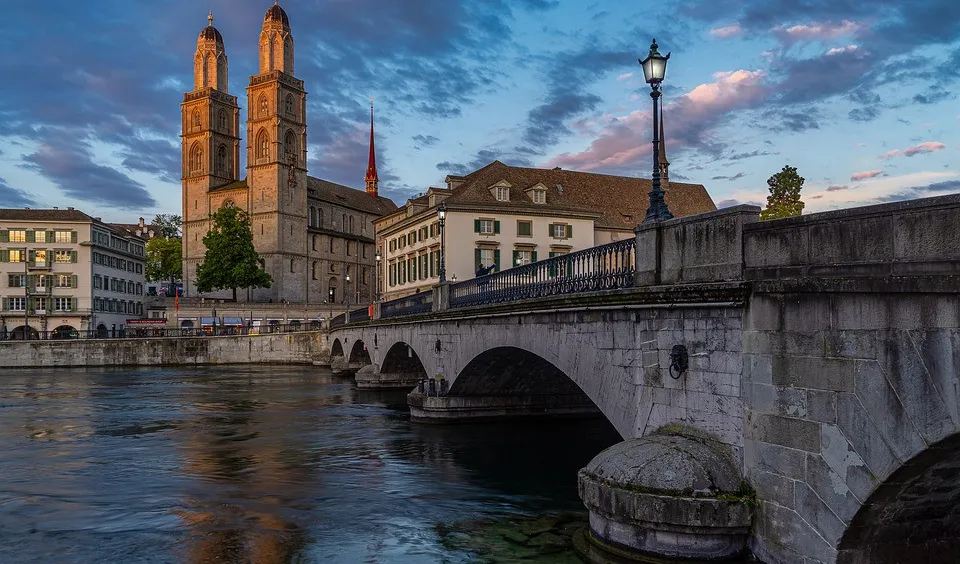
{"x":401,"y":358}
{"x":336,"y":349}
{"x":359,"y":353}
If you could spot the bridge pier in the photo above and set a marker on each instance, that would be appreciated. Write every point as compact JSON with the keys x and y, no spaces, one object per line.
{"x":447,"y":409}
{"x":370,"y":378}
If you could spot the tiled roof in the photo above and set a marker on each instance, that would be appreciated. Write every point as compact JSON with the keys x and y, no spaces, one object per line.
{"x":621,"y":201}
{"x":22,"y":214}
{"x":327,"y":191}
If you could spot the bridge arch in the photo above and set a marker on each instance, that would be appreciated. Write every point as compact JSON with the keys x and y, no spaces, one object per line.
{"x":336,"y":349}
{"x":402,"y":358}
{"x":359,"y":353}
{"x":913,"y":516}
{"x":511,"y":370}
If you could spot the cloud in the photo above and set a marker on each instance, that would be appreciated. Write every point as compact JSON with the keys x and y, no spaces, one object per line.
{"x":890,"y":154}
{"x":837,"y":188}
{"x":737,"y":176}
{"x":13,"y":198}
{"x":68,"y":162}
{"x":625,"y":76}
{"x":481,"y":159}
{"x":842,"y":50}
{"x":927,"y":147}
{"x":865,"y":175}
{"x":816,"y":31}
{"x":689,"y":120}
{"x":726,"y":31}
{"x":423,"y":141}
{"x":728,"y":203}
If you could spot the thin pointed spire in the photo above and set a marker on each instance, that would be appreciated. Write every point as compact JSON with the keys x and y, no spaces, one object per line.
{"x":372,"y":180}
{"x":210,"y":18}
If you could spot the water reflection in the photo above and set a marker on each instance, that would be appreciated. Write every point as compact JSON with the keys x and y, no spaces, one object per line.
{"x":259,"y":465}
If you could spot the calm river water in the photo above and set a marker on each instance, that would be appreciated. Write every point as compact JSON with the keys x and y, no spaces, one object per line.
{"x":271,"y":465}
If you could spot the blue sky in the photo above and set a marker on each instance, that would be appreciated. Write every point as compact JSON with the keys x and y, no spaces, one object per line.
{"x":859,"y":95}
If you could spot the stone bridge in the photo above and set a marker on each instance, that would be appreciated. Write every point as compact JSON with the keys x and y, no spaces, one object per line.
{"x":823,"y":363}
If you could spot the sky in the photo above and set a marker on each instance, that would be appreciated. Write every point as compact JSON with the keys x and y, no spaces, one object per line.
{"x":859,"y":95}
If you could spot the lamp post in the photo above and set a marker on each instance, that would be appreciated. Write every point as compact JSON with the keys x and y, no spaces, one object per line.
{"x":214,"y":321}
{"x":26,"y":297}
{"x":346,"y":315}
{"x":376,"y":279}
{"x":442,"y":217}
{"x":330,"y":294}
{"x":654,"y":69}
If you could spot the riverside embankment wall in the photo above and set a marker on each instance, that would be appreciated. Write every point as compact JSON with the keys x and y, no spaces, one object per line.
{"x":287,"y":348}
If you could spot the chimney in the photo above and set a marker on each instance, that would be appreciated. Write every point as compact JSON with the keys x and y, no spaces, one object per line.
{"x":70,"y":208}
{"x":141,"y":223}
{"x":55,"y":207}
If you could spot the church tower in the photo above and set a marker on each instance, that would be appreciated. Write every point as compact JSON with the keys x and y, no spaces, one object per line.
{"x":210,"y":143}
{"x":664,"y":164}
{"x":372,"y":180}
{"x":277,"y":162}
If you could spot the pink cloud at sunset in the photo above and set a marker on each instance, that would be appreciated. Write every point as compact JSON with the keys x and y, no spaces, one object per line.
{"x":817,"y":31}
{"x":865,"y":175}
{"x":928,"y":147}
{"x":726,"y":31}
{"x":689,"y":120}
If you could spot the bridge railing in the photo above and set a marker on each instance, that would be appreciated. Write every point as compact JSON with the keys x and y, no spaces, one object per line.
{"x":605,"y":267}
{"x":408,"y":305}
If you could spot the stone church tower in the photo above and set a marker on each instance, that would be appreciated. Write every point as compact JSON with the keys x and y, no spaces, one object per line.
{"x":210,"y":142}
{"x":277,"y":161}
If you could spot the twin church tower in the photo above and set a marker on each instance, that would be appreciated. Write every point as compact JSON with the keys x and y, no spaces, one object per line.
{"x":274,"y":192}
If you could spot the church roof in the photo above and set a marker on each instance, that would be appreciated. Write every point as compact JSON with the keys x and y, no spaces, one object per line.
{"x":620,"y":201}
{"x":275,"y":13}
{"x":210,"y":33}
{"x":360,"y":200}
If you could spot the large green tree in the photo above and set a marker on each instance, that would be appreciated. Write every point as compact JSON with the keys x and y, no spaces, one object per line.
{"x":167,"y":225}
{"x":784,"y":199}
{"x":164,"y":259}
{"x":231,"y":260}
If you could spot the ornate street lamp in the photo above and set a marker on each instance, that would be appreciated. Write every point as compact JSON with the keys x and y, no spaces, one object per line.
{"x":377,"y":275}
{"x":349,"y":290}
{"x":442,"y":217}
{"x":654,"y":69}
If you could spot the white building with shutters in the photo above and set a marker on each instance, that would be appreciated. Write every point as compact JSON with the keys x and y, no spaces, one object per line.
{"x":503,"y":216}
{"x":63,"y":271}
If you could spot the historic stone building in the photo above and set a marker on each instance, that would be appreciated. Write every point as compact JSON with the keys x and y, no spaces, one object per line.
{"x":311,"y":233}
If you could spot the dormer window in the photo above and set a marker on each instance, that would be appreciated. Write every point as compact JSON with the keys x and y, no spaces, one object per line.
{"x":503,"y":193}
{"x":538,"y":196}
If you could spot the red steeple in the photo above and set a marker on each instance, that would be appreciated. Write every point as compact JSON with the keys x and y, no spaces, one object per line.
{"x":372,"y":180}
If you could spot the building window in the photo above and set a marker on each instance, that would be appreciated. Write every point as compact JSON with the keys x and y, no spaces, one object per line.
{"x":503,"y":194}
{"x":63,"y":281}
{"x":39,"y":236}
{"x":41,"y":283}
{"x":222,"y":120}
{"x":315,"y":242}
{"x":62,"y":256}
{"x":485,"y":226}
{"x":40,"y":258}
{"x":41,"y":304}
{"x":19,"y":236}
{"x":291,"y":266}
{"x":263,"y":105}
{"x":351,"y":224}
{"x":313,"y":269}
{"x":62,"y":304}
{"x":539,"y":196}
{"x":196,"y":118}
{"x":524,"y":228}
{"x":487,"y":257}
{"x":288,"y":104}
{"x":290,"y":145}
{"x":561,"y":230}
{"x":332,"y":246}
{"x":521,"y":257}
{"x":222,"y":159}
{"x":263,"y":145}
{"x":17,"y":304}
{"x":349,"y":247}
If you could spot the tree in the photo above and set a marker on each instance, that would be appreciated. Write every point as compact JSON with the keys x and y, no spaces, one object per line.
{"x":231,"y":261}
{"x":164,"y":259}
{"x":784,"y":198}
{"x":167,"y":225}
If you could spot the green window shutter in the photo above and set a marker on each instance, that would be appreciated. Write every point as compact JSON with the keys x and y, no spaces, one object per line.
{"x":31,"y":237}
{"x":31,"y":255}
{"x":73,"y":236}
{"x":73,"y":254}
{"x":476,"y":226}
{"x":476,"y":256}
{"x":73,"y":281}
{"x":496,"y":259}
{"x":569,"y":231}
{"x":553,"y":267}
{"x":550,"y":230}
{"x":73,"y":304}
{"x":516,"y":257}
{"x":5,"y":236}
{"x":4,"y":255}
{"x":51,"y":236}
{"x":533,"y":256}
{"x":496,"y":227}
{"x":30,"y":280}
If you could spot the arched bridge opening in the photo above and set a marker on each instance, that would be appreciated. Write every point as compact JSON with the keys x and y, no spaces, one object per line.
{"x":336,"y":349}
{"x":914,"y":516}
{"x":401,"y":369}
{"x":359,"y":353}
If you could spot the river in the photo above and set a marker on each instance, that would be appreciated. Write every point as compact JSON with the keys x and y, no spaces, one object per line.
{"x":272,"y":464}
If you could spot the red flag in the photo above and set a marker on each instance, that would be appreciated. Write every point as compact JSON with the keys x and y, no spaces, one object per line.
{"x":176,"y":300}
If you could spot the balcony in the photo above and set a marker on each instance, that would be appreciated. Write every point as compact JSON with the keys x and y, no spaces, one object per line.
{"x":39,"y":265}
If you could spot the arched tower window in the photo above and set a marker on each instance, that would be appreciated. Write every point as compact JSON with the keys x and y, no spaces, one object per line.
{"x":222,"y":159}
{"x":319,"y":217}
{"x":222,"y":120}
{"x":264,"y":105}
{"x":314,"y":269}
{"x":351,"y":224}
{"x":313,"y":213}
{"x":288,"y":104}
{"x":196,"y":118}
{"x":290,"y":144}
{"x":196,"y":158}
{"x":228,"y":203}
{"x":263,"y":145}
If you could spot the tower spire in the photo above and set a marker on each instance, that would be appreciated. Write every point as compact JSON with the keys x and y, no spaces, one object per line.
{"x":664,"y":163}
{"x":210,"y":18}
{"x":372,"y":179}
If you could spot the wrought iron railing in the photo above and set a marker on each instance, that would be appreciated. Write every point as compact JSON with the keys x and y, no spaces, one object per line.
{"x":410,"y":305}
{"x":154,"y":332}
{"x":605,"y":267}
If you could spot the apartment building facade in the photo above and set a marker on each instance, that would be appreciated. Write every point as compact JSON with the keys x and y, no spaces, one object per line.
{"x":63,"y":271}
